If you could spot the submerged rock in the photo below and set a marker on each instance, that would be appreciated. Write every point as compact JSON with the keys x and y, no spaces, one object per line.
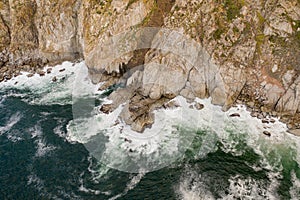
{"x":265,"y":121}
{"x":49,"y":70}
{"x":199,"y":106}
{"x":41,"y":73}
{"x":106,"y":108}
{"x":267,"y":133}
{"x":171,"y":105}
{"x":54,"y":79}
{"x":235,"y":115}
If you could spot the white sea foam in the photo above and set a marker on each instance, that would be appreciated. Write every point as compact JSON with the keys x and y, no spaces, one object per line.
{"x":160,"y":146}
{"x":42,"y":148}
{"x":2,"y":99}
{"x":249,"y":188}
{"x":163,"y":136}
{"x":124,"y":147}
{"x":36,"y":131}
{"x":273,"y":150}
{"x":15,"y":118}
{"x":295,"y":189}
{"x":82,"y":188}
{"x":34,"y":180}
{"x":39,"y":185}
{"x":130,"y":185}
{"x":41,"y":89}
{"x":58,"y":130}
{"x":235,"y":134}
{"x":14,"y":136}
{"x":97,"y":170}
{"x":192,"y":187}
{"x":195,"y":186}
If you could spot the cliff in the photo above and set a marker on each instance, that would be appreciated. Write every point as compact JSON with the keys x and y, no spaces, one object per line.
{"x":230,"y":50}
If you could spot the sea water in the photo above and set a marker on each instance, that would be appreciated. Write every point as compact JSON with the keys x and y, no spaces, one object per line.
{"x":47,"y":147}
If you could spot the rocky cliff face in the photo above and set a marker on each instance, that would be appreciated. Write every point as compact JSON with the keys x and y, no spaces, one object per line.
{"x":231,"y":50}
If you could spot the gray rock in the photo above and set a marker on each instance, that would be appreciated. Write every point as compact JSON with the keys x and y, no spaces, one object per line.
{"x":41,"y":73}
{"x":260,"y":116}
{"x":294,"y":132}
{"x":267,"y":133}
{"x":54,"y":79}
{"x":234,"y":115}
{"x":199,"y":106}
{"x":49,"y":70}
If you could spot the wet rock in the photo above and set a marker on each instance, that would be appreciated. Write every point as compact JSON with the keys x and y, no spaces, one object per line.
{"x":142,"y":122}
{"x":54,"y":79}
{"x":213,"y":70}
{"x":272,"y":120}
{"x":260,"y":116}
{"x":267,"y":133}
{"x":199,"y":106}
{"x":106,"y":108}
{"x":235,"y":115}
{"x":127,"y":140}
{"x":8,"y":77}
{"x":41,"y":73}
{"x":171,"y":105}
{"x":49,"y":70}
{"x":294,"y":132}
{"x":264,"y":114}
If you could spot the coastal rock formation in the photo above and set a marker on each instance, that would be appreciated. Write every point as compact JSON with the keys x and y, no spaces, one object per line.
{"x":229,"y":50}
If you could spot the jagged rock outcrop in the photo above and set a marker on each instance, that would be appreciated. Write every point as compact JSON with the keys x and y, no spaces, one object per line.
{"x":38,"y":32}
{"x":58,"y":29}
{"x":229,"y":50}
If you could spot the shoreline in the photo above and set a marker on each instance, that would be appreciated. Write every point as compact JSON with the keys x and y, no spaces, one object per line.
{"x":266,"y":118}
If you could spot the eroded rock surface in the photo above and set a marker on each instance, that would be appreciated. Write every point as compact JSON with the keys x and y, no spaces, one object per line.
{"x":229,"y":50}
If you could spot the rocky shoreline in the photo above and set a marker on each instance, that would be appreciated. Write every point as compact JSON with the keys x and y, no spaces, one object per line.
{"x":236,"y":52}
{"x":141,"y":108}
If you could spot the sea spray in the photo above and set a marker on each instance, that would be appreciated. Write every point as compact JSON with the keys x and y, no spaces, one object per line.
{"x":269,"y":163}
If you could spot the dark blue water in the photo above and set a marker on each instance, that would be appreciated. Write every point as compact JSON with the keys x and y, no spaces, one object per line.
{"x":38,"y":162}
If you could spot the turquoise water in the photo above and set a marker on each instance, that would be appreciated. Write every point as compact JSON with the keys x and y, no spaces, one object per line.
{"x":37,"y":161}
